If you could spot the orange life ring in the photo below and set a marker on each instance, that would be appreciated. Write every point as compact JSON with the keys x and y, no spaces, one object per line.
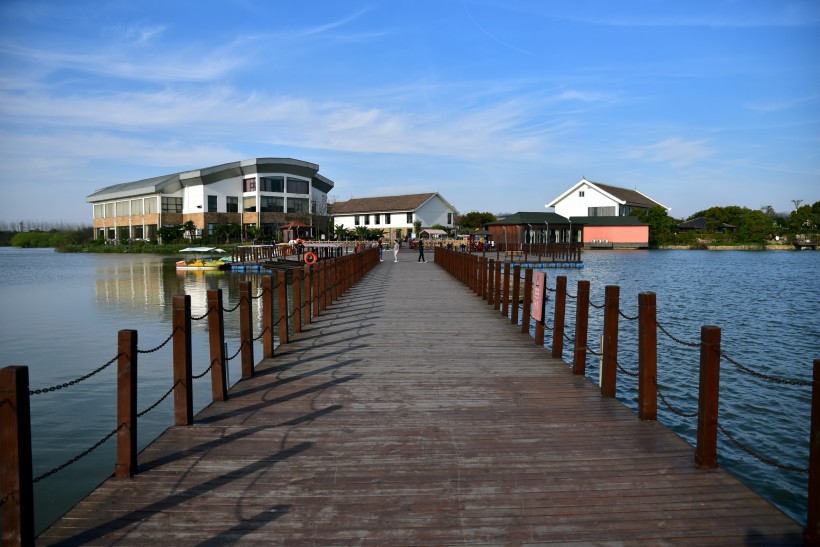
{"x":310,"y":258}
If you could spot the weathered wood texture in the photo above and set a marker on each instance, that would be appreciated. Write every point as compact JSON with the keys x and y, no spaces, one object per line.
{"x":408,"y":413}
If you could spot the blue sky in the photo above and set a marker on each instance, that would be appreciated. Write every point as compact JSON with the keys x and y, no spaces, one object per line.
{"x":499,"y":105}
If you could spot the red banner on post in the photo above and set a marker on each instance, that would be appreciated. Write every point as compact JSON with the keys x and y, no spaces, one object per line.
{"x":539,"y":284}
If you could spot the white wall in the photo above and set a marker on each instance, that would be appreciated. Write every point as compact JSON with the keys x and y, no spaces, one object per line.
{"x":575,"y":206}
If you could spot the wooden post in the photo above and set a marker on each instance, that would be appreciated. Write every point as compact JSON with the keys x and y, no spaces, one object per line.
{"x":268,"y":317}
{"x":126,"y":465}
{"x":15,"y":457}
{"x":560,"y":314}
{"x":525,"y":314}
{"x":183,"y":376}
{"x":297,"y":299}
{"x":246,"y":329}
{"x":490,"y":277}
{"x":314,"y":281}
{"x":708,"y":395}
{"x":647,"y":357}
{"x":610,"y":349}
{"x":579,"y":362}
{"x":505,"y":306}
{"x":812,"y":532}
{"x":283,"y":307}
{"x":216,"y":338}
{"x":306,"y":287}
{"x":516,"y":294}
{"x":497,"y":286}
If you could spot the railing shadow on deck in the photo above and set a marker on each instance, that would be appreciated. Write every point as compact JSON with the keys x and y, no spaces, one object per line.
{"x":508,"y":289}
{"x":292,"y":296}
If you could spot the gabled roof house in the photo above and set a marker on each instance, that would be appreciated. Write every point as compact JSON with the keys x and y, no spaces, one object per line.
{"x":394,"y":215}
{"x":605,"y":212}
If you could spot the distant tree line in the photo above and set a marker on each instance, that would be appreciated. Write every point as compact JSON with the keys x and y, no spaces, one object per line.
{"x":733,"y":225}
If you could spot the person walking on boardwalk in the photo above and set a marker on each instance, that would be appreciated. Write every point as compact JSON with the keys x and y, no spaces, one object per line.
{"x":381,"y":249}
{"x":421,"y":251}
{"x":396,"y":247}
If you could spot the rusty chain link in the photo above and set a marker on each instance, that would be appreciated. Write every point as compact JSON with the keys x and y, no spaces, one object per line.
{"x":678,"y":340}
{"x":76,"y":458}
{"x":76,"y":381}
{"x":161,"y":345}
{"x":201,"y":317}
{"x":155,"y":405}
{"x":628,"y":318}
{"x":762,"y":376}
{"x":757,"y":456}
{"x":627,"y":372}
{"x":673,"y":409}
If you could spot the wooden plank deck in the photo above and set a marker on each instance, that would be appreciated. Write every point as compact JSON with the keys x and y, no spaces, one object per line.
{"x":410,"y":413}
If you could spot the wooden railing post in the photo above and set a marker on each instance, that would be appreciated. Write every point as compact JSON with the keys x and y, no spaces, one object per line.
{"x":306,"y":288}
{"x":560,"y":315}
{"x":15,"y":458}
{"x":497,"y":286}
{"x":216,"y":338}
{"x":812,"y":532}
{"x":610,"y":349}
{"x":314,"y":282}
{"x":505,"y":306}
{"x":246,"y":328}
{"x":579,"y":358}
{"x":708,"y":396}
{"x":490,"y":277}
{"x":525,"y":314}
{"x":283,"y":307}
{"x":268,"y":317}
{"x":516,"y":294}
{"x":183,"y":376}
{"x":126,"y":465}
{"x":297,"y":299}
{"x":647,"y":357}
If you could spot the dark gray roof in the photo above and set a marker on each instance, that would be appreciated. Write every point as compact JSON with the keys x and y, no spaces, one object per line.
{"x":521,"y":218}
{"x":384,"y":204}
{"x":701,"y":223}
{"x":631,"y":197}
{"x":215,"y":173}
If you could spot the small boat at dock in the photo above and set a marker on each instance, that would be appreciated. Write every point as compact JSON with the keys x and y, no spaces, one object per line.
{"x":202,"y":258}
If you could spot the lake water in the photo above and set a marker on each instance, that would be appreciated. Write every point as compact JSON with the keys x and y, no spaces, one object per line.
{"x":61,"y":314}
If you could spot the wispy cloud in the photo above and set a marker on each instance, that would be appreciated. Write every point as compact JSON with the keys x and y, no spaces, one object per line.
{"x":674,"y":151}
{"x":777,"y":106}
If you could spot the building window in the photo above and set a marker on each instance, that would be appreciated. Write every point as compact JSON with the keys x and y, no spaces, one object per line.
{"x":356,"y":220}
{"x":150,"y":206}
{"x":232,"y":204}
{"x":580,"y":193}
{"x":99,"y":211}
{"x":449,"y":218}
{"x":298,"y":186}
{"x":272,"y":204}
{"x":109,"y":211}
{"x":122,"y":208}
{"x":298,"y":205}
{"x":137,"y":231}
{"x":272,"y":184}
{"x":136,"y":206}
{"x":249,"y":185}
{"x":100,"y":233}
{"x":387,"y":218}
{"x":211,"y":229}
{"x":601,"y":211}
{"x":376,"y":218}
{"x":171,"y":205}
{"x":366,"y":220}
{"x":212,"y":204}
{"x":249,"y":204}
{"x":409,"y":218}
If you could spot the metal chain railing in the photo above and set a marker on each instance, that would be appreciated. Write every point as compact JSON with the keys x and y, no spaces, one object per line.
{"x":159,"y":347}
{"x":76,"y":458}
{"x":229,"y":310}
{"x":206,"y":371}
{"x":674,"y":410}
{"x":628,"y":318}
{"x":568,"y":339}
{"x":627,"y":372}
{"x":596,"y":306}
{"x":242,"y":345}
{"x":155,"y":405}
{"x":678,"y":340}
{"x":766,"y":377}
{"x":201,"y":317}
{"x":757,"y":456}
{"x":75,"y":381}
{"x":261,"y":334}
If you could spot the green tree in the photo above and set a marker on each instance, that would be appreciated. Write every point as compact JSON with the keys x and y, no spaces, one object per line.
{"x":417,"y":228}
{"x":661,"y":225}
{"x":189,"y":229}
{"x":340,"y":232}
{"x":476,"y":221}
{"x":361,"y":233}
{"x":169,"y":234}
{"x":253,"y":232}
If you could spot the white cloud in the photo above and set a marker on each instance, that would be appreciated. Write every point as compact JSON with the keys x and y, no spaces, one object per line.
{"x":675,"y":151}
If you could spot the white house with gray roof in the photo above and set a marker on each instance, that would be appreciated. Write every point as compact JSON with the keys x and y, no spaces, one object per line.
{"x":593,"y":199}
{"x":394,"y":215}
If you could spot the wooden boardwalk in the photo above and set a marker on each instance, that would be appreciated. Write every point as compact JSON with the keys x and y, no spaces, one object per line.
{"x":410,"y":413}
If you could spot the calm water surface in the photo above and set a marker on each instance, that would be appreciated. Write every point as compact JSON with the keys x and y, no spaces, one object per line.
{"x":61,"y":313}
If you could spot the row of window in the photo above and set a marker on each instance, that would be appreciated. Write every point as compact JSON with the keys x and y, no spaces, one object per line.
{"x":364,"y":220}
{"x":268,"y":204}
{"x":277,"y":184}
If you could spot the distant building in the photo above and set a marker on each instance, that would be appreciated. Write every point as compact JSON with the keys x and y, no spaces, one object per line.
{"x":702,"y":224}
{"x":264,"y":192}
{"x":593,"y":199}
{"x":394,"y":215}
{"x":605,"y":212}
{"x":524,"y":228}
